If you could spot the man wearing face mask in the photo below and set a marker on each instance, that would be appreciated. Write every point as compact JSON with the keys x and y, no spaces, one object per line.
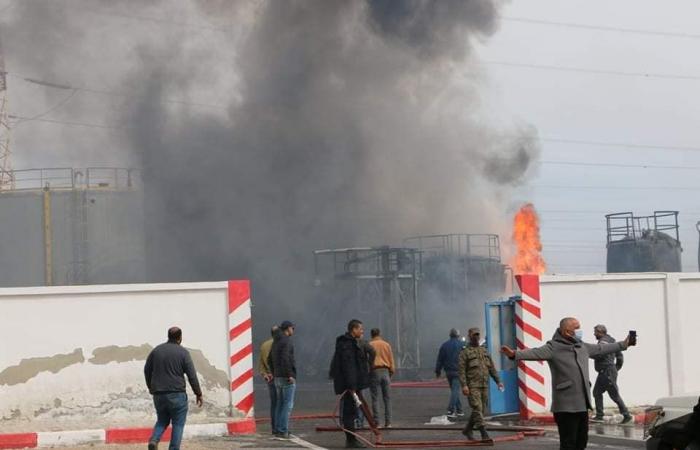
{"x":567,"y":356}
{"x":475,"y":367}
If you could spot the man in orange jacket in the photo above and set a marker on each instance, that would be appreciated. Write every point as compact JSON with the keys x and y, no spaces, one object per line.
{"x":380,"y":377}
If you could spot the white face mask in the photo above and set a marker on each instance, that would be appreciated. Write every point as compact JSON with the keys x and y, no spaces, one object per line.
{"x":578,"y":334}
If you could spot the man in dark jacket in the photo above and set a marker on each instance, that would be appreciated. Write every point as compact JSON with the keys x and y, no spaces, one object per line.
{"x":448,"y":360}
{"x":607,"y":367}
{"x":284,"y":372}
{"x":350,"y":370}
{"x":165,"y":371}
{"x":567,"y":356}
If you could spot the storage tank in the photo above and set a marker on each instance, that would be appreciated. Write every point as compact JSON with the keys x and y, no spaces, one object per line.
{"x":72,"y":226}
{"x":643,"y":243}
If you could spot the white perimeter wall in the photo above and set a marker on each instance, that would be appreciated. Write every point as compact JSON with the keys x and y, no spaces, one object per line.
{"x":43,"y":378}
{"x":662,"y":307}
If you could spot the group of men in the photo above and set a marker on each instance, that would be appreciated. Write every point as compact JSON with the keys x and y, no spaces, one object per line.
{"x":357,"y":365}
{"x":468,"y":366}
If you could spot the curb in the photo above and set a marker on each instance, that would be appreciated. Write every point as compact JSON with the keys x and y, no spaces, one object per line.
{"x":548,"y":419}
{"x":119,"y":435}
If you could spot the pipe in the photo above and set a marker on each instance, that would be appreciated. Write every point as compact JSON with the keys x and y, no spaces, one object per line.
{"x":48,"y":247}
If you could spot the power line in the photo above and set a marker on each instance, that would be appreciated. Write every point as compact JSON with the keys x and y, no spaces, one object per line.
{"x":638,"y":166}
{"x":70,"y":123}
{"x":676,"y":34}
{"x":594,"y":71}
{"x":91,"y":90}
{"x":640,"y":188}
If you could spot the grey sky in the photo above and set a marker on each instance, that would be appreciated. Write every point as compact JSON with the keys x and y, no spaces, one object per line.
{"x":606,"y":108}
{"x":561,"y":104}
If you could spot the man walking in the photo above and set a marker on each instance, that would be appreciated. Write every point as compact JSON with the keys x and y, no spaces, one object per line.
{"x":607,"y":367}
{"x":284,"y":372}
{"x":266,"y":373}
{"x":350,"y":374}
{"x":567,"y":356}
{"x":475,"y":367}
{"x":380,"y":376}
{"x":448,"y":360}
{"x":165,"y":371}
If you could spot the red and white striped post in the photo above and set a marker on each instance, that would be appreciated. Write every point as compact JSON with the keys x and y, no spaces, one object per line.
{"x":241,"y":354}
{"x":528,"y":332}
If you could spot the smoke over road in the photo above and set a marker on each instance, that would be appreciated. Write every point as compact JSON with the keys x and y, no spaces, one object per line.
{"x":266,"y":129}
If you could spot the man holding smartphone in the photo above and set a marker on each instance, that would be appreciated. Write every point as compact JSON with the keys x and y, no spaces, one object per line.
{"x":567,"y":356}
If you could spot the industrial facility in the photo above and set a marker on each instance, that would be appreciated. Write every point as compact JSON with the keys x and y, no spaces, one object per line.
{"x":65,"y":226}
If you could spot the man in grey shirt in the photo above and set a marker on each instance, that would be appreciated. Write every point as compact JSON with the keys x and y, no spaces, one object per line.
{"x":567,"y":356}
{"x":607,"y":367}
{"x":165,"y":371}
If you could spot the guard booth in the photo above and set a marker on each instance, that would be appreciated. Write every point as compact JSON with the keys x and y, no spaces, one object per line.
{"x":500,"y":330}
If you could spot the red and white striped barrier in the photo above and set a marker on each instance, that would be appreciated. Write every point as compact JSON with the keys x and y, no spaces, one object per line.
{"x":528,"y":332}
{"x":116,"y":435}
{"x":241,"y":348}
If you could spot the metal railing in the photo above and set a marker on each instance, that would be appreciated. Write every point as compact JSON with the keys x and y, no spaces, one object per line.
{"x":460,"y":245}
{"x":113,"y":178}
{"x":626,"y":225}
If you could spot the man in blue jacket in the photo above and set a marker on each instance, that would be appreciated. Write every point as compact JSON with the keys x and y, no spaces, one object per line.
{"x":448,"y":360}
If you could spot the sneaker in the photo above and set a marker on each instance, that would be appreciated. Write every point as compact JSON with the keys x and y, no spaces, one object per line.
{"x":598,"y":419}
{"x":626,"y":419}
{"x":283,"y":436}
{"x":387,"y":425}
{"x":484,"y":435}
{"x":451,"y":414}
{"x":460,"y":414}
{"x":152,"y":445}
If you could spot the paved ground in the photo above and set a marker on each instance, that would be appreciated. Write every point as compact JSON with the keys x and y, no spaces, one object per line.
{"x":412,"y":407}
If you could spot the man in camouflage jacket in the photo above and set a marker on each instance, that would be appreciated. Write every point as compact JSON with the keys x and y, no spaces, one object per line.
{"x":475,"y":367}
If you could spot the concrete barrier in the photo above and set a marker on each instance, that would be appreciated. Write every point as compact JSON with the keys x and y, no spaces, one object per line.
{"x":661,"y":307}
{"x":71,"y":358}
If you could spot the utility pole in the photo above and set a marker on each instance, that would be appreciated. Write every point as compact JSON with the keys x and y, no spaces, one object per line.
{"x":7,"y":178}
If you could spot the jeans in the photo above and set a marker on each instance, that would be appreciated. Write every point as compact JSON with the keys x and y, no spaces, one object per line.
{"x":573,"y":430}
{"x":380,"y":379}
{"x":607,"y":381}
{"x":455,"y":405}
{"x":170,"y":408}
{"x":285,"y":402}
{"x":273,"y":404}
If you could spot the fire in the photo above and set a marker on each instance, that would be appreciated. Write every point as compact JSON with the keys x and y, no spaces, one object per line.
{"x":526,"y":235}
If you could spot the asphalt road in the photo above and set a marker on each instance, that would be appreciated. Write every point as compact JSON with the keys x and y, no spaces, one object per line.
{"x":411,"y":407}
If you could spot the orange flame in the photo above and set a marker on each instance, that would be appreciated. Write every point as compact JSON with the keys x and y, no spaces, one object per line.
{"x":526,"y":235}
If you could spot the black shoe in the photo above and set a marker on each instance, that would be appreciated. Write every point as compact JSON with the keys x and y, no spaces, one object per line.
{"x":626,"y":419}
{"x":598,"y":419}
{"x":152,"y":445}
{"x":484,"y":435}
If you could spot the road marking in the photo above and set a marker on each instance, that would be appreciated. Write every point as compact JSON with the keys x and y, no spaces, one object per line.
{"x":299,"y":441}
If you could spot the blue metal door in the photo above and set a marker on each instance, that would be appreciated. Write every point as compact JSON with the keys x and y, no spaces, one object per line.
{"x":500,"y":330}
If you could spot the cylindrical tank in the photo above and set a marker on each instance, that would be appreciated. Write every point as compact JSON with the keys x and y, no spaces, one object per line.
{"x":653,"y":252}
{"x":71,"y":226}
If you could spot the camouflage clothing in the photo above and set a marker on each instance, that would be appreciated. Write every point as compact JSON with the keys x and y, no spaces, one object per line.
{"x":478,"y":400}
{"x":475,"y":366}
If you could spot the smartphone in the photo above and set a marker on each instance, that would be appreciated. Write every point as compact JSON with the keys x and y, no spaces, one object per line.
{"x":633,"y":337}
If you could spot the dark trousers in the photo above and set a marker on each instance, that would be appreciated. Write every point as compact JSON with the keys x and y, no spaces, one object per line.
{"x":348,"y":411}
{"x":380,"y":380}
{"x":272,"y":390}
{"x":607,"y":382}
{"x":573,"y":430}
{"x":170,"y":408}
